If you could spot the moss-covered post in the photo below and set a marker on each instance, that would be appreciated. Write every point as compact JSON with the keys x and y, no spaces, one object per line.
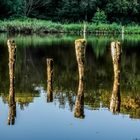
{"x":49,"y":80}
{"x":80,"y":47}
{"x":116,"y":58}
{"x":12,"y":104}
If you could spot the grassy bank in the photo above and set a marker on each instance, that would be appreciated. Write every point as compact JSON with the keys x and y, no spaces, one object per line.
{"x":29,"y":26}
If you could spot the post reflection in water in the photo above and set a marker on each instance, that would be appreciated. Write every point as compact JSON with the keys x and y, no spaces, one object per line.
{"x":79,"y":104}
{"x":12,"y":112}
{"x":80,"y":46}
{"x":49,"y":80}
{"x":12,"y":103}
{"x":116,"y":58}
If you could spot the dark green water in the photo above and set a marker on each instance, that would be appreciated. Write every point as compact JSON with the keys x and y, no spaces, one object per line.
{"x":36,"y":119}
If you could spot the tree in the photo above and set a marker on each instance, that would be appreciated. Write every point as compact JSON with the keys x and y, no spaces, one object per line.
{"x":4,"y":6}
{"x":121,"y":10}
{"x":88,"y":8}
{"x":70,"y":10}
{"x":99,"y":17}
{"x":30,"y":6}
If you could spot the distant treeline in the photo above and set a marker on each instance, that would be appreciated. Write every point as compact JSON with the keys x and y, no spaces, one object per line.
{"x":120,"y":11}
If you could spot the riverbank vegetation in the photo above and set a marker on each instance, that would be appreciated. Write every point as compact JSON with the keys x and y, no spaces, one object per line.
{"x":30,"y":26}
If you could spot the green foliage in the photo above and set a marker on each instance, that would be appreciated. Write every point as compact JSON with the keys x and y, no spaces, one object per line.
{"x":99,"y":17}
{"x":120,"y":11}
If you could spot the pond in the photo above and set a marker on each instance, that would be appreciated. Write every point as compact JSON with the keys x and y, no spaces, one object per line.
{"x":35,"y":118}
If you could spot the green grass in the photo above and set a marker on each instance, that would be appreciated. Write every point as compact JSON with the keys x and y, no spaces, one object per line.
{"x":30,"y":26}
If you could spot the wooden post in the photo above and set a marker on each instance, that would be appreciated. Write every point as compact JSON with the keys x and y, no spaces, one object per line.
{"x":11,"y":50}
{"x":84,"y":31}
{"x":12,"y":103}
{"x":49,"y":80}
{"x":80,"y":47}
{"x":122,"y":33}
{"x":116,"y":58}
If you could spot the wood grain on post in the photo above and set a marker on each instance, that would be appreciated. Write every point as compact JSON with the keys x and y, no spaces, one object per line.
{"x":49,"y":80}
{"x":12,"y":104}
{"x":116,"y":58}
{"x":80,"y":48}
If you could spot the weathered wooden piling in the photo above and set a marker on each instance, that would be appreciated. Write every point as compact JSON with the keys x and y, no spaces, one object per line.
{"x":49,"y":79}
{"x":80,"y":48}
{"x":12,"y":104}
{"x":122,"y":33}
{"x":84,"y":31}
{"x":116,"y":58}
{"x":11,"y":49}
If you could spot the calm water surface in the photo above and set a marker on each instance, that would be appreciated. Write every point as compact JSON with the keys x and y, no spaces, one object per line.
{"x":34,"y":118}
